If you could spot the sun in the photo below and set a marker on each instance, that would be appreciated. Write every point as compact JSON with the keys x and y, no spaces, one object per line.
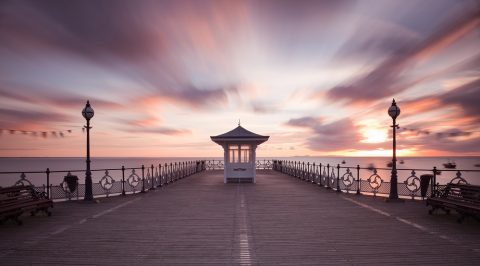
{"x":374,"y":136}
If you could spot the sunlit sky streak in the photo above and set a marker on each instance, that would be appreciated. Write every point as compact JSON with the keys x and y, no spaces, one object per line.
{"x":317,"y":76}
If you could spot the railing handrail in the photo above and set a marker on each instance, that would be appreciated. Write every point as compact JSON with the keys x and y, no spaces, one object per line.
{"x":83,"y":170}
{"x":384,"y":168}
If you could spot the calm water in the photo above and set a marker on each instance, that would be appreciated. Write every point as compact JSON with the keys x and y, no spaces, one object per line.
{"x":40,"y":164}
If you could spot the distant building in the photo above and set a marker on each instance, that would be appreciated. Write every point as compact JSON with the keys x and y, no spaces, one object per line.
{"x":239,"y":147}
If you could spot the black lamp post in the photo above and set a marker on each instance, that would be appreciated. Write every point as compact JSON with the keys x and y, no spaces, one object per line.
{"x":87,"y":112}
{"x":394,"y":112}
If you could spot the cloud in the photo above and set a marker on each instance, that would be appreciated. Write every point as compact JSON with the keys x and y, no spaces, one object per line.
{"x":158,"y":130}
{"x":190,"y":96}
{"x":339,"y":135}
{"x":448,"y":141}
{"x":92,"y":30}
{"x":263,"y":108}
{"x":306,"y":121}
{"x":28,"y":119}
{"x":386,"y":79}
{"x":467,"y":97}
{"x":52,"y":98}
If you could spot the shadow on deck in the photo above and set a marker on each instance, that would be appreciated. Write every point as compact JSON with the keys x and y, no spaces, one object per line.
{"x":279,"y":220}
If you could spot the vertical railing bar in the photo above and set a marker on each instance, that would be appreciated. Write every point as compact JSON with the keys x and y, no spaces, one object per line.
{"x":328,"y":176}
{"x":48,"y":182}
{"x":123,"y":180}
{"x":320,"y":175}
{"x":153,"y":185}
{"x":338,"y":177}
{"x":143,"y":179}
{"x":358,"y":179}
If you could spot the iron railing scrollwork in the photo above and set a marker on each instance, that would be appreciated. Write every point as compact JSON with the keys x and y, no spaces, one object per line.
{"x":106,"y":182}
{"x":346,"y":179}
{"x":23,"y":181}
{"x":375,"y":181}
{"x":131,"y":180}
{"x":458,"y":179}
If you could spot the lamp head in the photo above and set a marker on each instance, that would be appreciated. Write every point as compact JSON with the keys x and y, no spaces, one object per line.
{"x":87,"y":112}
{"x":394,"y":110}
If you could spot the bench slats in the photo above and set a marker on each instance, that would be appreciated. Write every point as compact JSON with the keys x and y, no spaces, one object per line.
{"x":463,"y":198}
{"x":16,"y":200}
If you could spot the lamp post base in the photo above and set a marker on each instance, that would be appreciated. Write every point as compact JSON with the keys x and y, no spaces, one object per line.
{"x":397,"y":200}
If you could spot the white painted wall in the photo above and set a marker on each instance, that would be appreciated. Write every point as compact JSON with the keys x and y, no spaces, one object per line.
{"x":237,"y":169}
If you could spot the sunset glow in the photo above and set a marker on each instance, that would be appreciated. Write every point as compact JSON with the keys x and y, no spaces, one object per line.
{"x":315,"y":76}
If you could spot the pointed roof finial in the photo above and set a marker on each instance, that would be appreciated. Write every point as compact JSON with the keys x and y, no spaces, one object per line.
{"x":238,"y":122}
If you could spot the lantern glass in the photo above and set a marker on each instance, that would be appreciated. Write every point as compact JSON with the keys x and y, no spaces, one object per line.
{"x":88,"y":112}
{"x":394,"y":111}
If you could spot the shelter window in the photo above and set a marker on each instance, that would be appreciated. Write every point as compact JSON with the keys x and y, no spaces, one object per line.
{"x":244,"y":153}
{"x":233,"y":153}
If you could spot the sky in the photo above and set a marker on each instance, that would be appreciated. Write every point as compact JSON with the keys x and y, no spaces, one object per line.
{"x":315,"y":76}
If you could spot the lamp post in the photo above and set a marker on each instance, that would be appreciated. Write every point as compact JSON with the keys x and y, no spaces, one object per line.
{"x":394,"y":112}
{"x":87,"y":113}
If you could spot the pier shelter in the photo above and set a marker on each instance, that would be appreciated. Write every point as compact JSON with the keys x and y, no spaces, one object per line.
{"x":239,"y":147}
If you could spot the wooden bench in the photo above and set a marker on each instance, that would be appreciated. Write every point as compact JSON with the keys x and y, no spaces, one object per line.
{"x":463,"y":198}
{"x":16,"y":200}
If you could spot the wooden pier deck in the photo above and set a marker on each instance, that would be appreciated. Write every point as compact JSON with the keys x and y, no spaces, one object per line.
{"x":278,"y":221}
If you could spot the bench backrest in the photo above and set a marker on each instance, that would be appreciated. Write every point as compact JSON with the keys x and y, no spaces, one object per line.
{"x":463,"y":192}
{"x":16,"y":193}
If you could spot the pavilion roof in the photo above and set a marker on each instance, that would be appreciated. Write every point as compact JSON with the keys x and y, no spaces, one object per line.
{"x":239,"y":133}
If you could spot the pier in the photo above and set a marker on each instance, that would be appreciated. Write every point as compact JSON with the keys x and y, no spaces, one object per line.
{"x":280,"y":220}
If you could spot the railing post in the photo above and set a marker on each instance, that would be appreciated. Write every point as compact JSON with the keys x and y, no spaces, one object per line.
{"x":160,"y":178}
{"x":295,"y":169}
{"x":306,"y":172}
{"x":153,"y":186}
{"x":328,"y":176}
{"x":177,"y":166}
{"x":313,"y":174}
{"x":183,"y":169}
{"x":358,"y":179}
{"x":338,"y":177}
{"x":434,"y":182}
{"x":123,"y":180}
{"x":320,"y":175}
{"x":48,"y":182}
{"x":143,"y":179}
{"x":167,"y":175}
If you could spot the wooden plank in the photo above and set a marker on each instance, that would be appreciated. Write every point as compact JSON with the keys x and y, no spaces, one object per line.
{"x":280,"y":220}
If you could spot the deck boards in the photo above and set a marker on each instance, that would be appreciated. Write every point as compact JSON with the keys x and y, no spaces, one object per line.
{"x":278,"y":221}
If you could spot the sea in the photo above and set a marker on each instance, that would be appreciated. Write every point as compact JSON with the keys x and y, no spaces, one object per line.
{"x":421,"y":165}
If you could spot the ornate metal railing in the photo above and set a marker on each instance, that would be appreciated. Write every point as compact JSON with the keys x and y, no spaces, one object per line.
{"x":219,"y":164}
{"x":419,"y":183}
{"x":113,"y":181}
